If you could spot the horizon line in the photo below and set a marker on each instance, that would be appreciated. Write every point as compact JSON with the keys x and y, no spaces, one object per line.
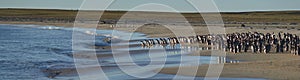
{"x":154,"y":11}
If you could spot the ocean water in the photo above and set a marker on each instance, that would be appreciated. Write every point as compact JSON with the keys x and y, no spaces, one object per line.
{"x":27,"y":50}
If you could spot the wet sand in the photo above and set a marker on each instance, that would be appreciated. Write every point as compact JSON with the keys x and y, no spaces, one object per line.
{"x":275,"y":66}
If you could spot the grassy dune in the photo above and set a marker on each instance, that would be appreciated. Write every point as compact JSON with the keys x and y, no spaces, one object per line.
{"x":276,"y":16}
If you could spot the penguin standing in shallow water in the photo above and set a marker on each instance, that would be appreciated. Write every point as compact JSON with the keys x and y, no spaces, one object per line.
{"x":142,"y":43}
{"x":158,"y":41}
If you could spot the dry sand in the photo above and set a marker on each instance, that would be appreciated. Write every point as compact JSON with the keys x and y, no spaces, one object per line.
{"x":161,"y":31}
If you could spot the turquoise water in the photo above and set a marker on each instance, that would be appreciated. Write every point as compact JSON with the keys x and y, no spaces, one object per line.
{"x":27,"y":50}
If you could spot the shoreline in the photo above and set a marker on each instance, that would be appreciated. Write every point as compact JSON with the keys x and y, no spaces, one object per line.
{"x":278,"y":66}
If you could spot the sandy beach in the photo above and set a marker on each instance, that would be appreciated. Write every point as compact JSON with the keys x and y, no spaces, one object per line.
{"x":275,"y":66}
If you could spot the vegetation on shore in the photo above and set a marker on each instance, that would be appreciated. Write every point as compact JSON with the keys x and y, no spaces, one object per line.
{"x":42,"y":15}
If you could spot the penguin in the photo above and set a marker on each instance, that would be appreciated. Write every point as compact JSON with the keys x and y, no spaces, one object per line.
{"x":142,"y":43}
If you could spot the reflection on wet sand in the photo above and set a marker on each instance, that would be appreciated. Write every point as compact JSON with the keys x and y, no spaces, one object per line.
{"x":168,"y":55}
{"x":176,"y":55}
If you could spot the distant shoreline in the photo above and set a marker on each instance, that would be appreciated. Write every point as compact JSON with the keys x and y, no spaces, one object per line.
{"x":187,"y":12}
{"x":66,"y":18}
{"x":54,"y":15}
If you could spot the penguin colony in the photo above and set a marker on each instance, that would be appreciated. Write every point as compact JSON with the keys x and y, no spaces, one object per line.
{"x":254,"y":42}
